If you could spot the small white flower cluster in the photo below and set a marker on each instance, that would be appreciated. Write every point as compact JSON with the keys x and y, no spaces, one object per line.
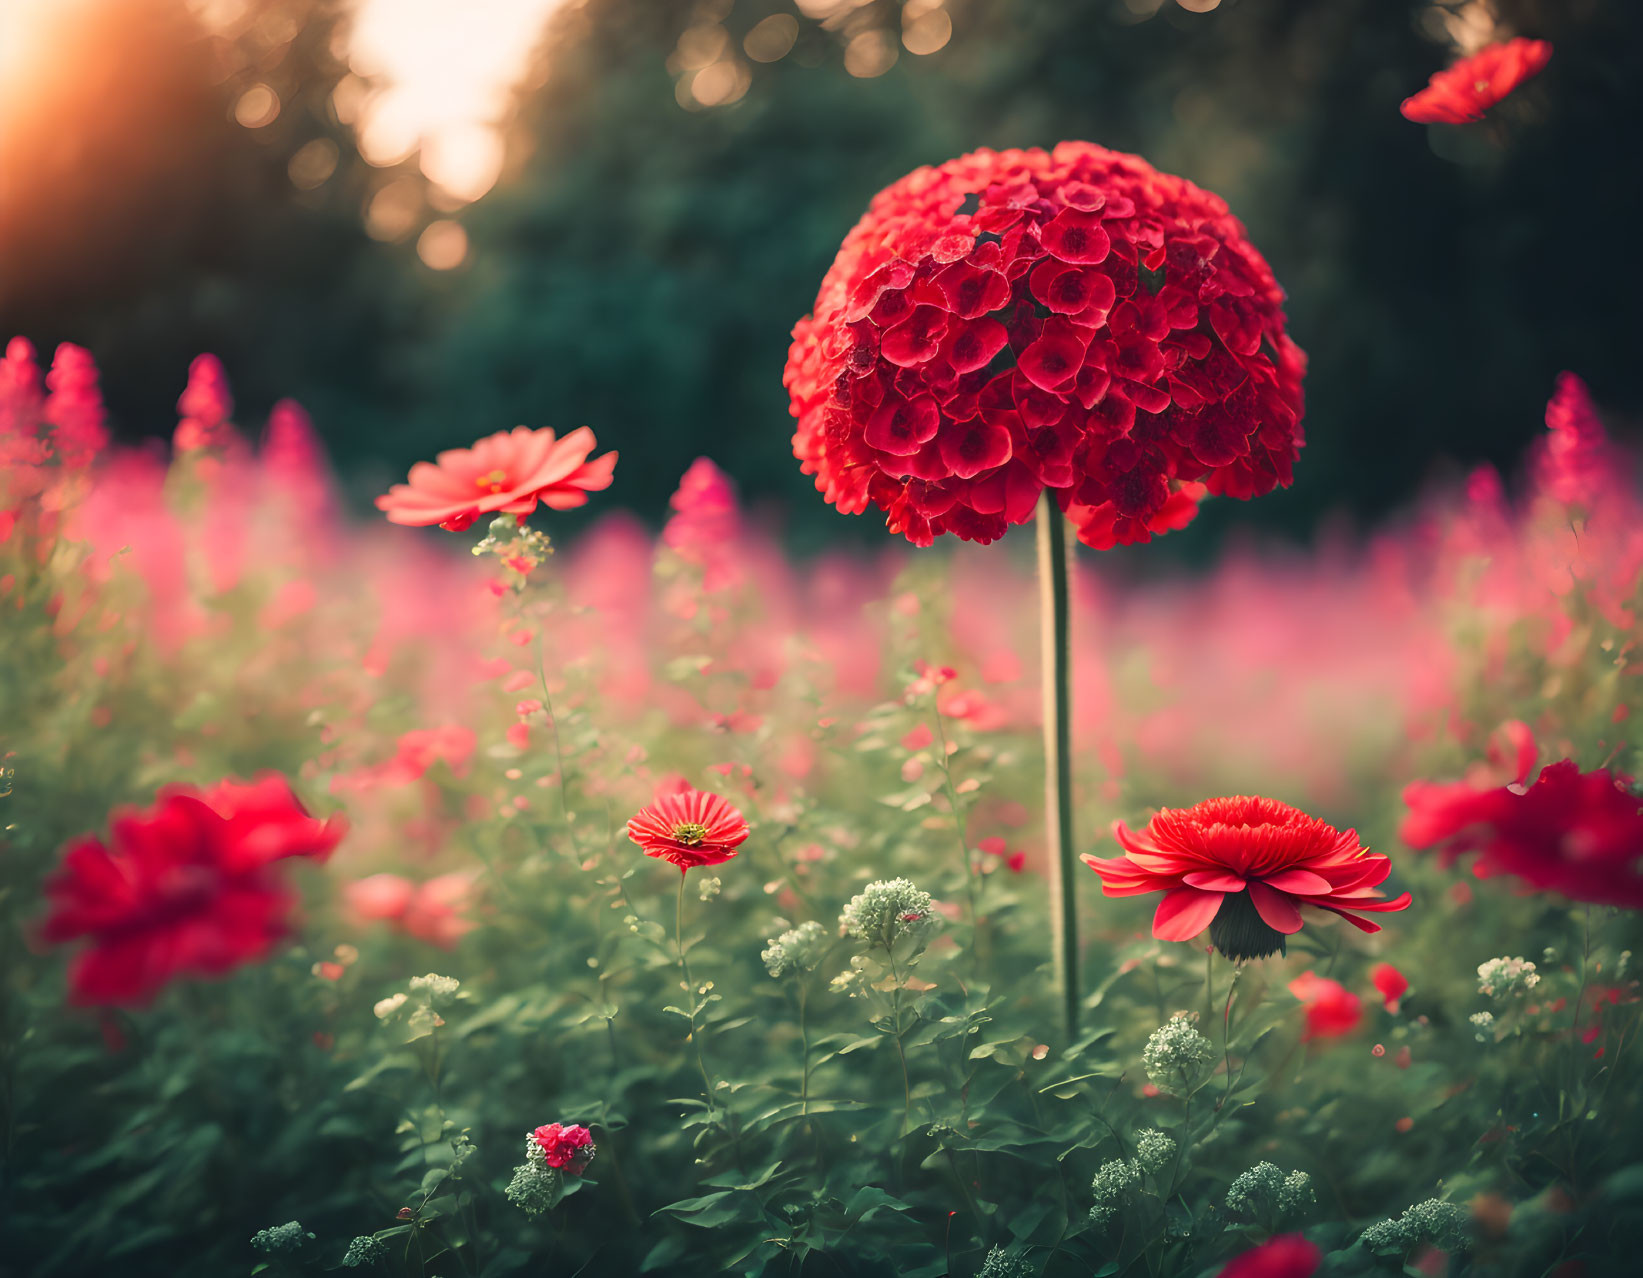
{"x":1001,"y":1264}
{"x":1112,"y":1182}
{"x":1433,"y":1221}
{"x":1484,"y":1021}
{"x":535,"y":1187}
{"x":709,"y":888}
{"x":280,"y":1238}
{"x":1153,"y":1151}
{"x":883,"y":912}
{"x":436,"y":990}
{"x":1265,"y":1189}
{"x":1502,"y":977}
{"x":797,"y":950}
{"x":367,"y":1249}
{"x":1177,"y":1055}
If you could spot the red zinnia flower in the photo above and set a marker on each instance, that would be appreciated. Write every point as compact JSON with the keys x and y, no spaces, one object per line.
{"x":1332,"y":1010}
{"x":690,"y":828}
{"x":1286,"y":1256}
{"x":1466,"y":90}
{"x":1241,"y":867}
{"x":566,"y":1148}
{"x":510,"y":472}
{"x":185,"y":888}
{"x":1572,"y":832}
{"x":1390,"y":983}
{"x":1018,"y":321}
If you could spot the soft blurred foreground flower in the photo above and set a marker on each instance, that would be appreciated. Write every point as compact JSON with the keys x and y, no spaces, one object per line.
{"x":1286,"y":1256}
{"x":1243,"y":867}
{"x":1576,"y":833}
{"x":1463,"y":92}
{"x":510,"y":472}
{"x":690,"y":828}
{"x":1332,"y":1010}
{"x":187,"y":888}
{"x":1075,"y":321}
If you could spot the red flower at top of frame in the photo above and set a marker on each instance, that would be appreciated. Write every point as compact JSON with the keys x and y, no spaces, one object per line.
{"x":566,"y":1148}
{"x":186,"y":888}
{"x":1332,"y":1010}
{"x":689,"y":828}
{"x":1285,"y":1256}
{"x":1242,"y":867}
{"x":510,"y":472}
{"x":1576,"y":833}
{"x":1390,"y":984}
{"x":1073,"y":321}
{"x":1463,"y":92}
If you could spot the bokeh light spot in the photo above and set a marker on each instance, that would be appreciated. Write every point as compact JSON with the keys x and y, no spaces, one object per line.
{"x":394,"y":210}
{"x":869,"y":54}
{"x":313,"y":163}
{"x":443,"y":245}
{"x":257,"y":106}
{"x":925,"y":28}
{"x":772,"y":38}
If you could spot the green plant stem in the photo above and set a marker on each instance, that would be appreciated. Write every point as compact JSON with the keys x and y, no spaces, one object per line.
{"x":1058,"y":796}
{"x":690,"y":992}
{"x":1226,"y":1035}
{"x":958,"y":821}
{"x":901,"y":1052}
{"x":804,"y":1043}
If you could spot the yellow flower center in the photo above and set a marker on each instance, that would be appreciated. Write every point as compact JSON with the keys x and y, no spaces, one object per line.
{"x":691,"y":833}
{"x":492,"y":481}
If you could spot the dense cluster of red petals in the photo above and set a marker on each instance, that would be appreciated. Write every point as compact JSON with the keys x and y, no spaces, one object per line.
{"x":1463,"y":92}
{"x":51,"y":428}
{"x":1576,"y":833}
{"x":690,"y":828}
{"x":1243,"y":867}
{"x":510,"y":472}
{"x":1574,"y":463}
{"x":1020,"y":321}
{"x":187,"y":888}
{"x":568,"y":1149}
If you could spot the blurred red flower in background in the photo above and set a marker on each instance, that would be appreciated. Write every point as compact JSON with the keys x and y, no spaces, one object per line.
{"x":1390,"y":983}
{"x":430,"y":911}
{"x":186,"y":888}
{"x":1331,"y":1009}
{"x":1572,"y":832}
{"x":1018,"y":321}
{"x":1463,"y":92}
{"x":689,"y":827}
{"x":1242,"y":867}
{"x":510,"y":472}
{"x":1286,"y":1256}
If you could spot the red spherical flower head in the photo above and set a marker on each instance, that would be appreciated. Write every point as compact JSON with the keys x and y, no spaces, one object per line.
{"x":510,"y":472}
{"x":1242,"y":867}
{"x":569,"y":1149}
{"x":1576,"y":833}
{"x":1071,"y":320}
{"x":186,"y":888}
{"x":1466,"y":90}
{"x":689,"y":828}
{"x":1286,"y":1256}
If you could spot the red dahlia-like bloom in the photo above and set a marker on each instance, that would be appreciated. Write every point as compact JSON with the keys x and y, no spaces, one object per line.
{"x":567,"y":1148}
{"x":187,"y":888}
{"x":1576,"y":833}
{"x":1466,"y":90}
{"x":1018,"y":321}
{"x":1332,"y":1010}
{"x":510,"y":472}
{"x":1286,"y":1256}
{"x":1242,"y":867}
{"x":689,"y":828}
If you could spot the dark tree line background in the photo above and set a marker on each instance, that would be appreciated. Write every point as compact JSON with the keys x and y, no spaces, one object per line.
{"x":640,"y":265}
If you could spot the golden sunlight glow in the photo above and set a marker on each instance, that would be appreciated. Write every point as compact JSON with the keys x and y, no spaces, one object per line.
{"x":440,"y":78}
{"x":31,"y":31}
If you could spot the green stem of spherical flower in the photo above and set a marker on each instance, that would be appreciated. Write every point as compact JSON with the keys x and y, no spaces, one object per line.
{"x":804,"y":1046}
{"x":1058,"y":789}
{"x":901,"y":1052}
{"x":958,"y":820}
